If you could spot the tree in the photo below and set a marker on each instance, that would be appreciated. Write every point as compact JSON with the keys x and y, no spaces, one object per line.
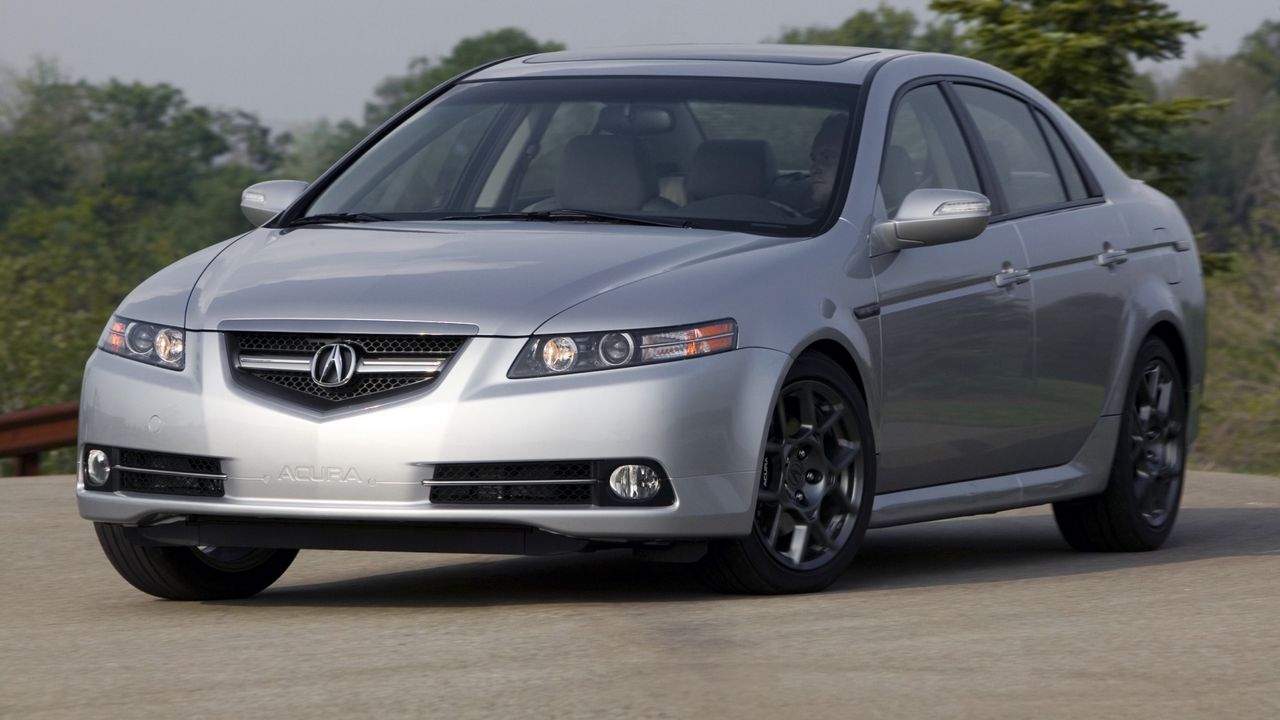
{"x":883,"y":27}
{"x":395,"y":92}
{"x":1081,"y":54}
{"x":100,"y":186}
{"x":313,"y":147}
{"x":1261,"y":51}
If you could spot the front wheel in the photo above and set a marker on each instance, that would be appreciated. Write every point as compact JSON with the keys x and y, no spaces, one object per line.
{"x":1140,"y":504}
{"x":192,"y":573}
{"x":817,"y":485}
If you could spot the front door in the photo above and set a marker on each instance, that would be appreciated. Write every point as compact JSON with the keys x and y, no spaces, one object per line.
{"x":957,"y":364}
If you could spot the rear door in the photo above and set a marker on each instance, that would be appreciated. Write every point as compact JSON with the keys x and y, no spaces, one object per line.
{"x":957,"y":351}
{"x":1077,"y":247}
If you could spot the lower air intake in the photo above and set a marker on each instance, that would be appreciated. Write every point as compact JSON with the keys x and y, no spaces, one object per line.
{"x":549,"y":494}
{"x":135,"y":481}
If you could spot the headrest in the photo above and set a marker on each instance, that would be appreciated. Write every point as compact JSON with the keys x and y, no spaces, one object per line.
{"x":730,"y":167}
{"x":635,"y":120}
{"x":605,"y":172}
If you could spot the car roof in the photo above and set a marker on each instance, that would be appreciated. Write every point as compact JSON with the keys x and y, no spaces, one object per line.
{"x":810,"y":62}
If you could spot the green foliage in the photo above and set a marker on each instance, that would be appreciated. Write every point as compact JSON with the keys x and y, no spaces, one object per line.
{"x":1261,"y":52}
{"x":316,"y":146}
{"x":883,"y":27}
{"x":1080,"y":53}
{"x":395,"y":92}
{"x":1240,"y":424}
{"x":1237,"y":170}
{"x":102,"y":185}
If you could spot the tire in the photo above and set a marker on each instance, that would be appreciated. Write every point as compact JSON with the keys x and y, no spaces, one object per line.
{"x":821,"y":479}
{"x":188,"y":573}
{"x":1138,"y":509}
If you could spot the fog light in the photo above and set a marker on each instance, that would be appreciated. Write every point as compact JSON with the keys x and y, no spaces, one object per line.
{"x":634,"y":482}
{"x":97,"y":468}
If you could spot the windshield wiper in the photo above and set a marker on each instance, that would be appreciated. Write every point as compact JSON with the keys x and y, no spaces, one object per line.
{"x":571,"y":214}
{"x":337,"y":218}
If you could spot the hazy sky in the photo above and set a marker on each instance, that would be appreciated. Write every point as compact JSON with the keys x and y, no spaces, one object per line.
{"x":294,"y":60}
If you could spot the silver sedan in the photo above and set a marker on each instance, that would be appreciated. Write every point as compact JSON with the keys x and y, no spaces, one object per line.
{"x":724,"y":305}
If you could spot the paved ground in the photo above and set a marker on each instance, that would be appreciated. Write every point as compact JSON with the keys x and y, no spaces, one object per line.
{"x":984,"y":617}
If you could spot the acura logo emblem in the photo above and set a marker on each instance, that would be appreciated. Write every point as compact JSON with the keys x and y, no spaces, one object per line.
{"x":333,"y":365}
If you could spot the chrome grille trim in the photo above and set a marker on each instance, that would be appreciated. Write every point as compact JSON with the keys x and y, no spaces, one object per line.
{"x":175,"y":473}
{"x":302,"y":364}
{"x":453,"y":483}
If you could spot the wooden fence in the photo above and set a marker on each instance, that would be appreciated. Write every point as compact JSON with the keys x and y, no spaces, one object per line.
{"x":26,"y":433}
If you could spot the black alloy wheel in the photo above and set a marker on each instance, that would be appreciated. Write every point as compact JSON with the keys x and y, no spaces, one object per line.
{"x":817,"y":484}
{"x":1138,"y":509}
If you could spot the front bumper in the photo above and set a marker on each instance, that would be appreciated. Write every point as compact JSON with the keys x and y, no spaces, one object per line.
{"x":702,"y":419}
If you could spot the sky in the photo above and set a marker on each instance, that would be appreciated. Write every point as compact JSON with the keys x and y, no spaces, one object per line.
{"x":291,"y":61}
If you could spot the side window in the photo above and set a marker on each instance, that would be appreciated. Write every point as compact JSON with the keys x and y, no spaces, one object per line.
{"x":925,"y":149}
{"x":1071,"y":177}
{"x":1023,"y":163}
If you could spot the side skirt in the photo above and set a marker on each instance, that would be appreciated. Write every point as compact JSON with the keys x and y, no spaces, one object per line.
{"x":1085,"y":475}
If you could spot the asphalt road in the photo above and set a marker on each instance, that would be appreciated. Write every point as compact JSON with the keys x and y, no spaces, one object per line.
{"x":982,"y":617}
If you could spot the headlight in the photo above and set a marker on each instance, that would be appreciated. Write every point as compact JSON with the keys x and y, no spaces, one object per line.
{"x":584,"y":352}
{"x":152,"y":344}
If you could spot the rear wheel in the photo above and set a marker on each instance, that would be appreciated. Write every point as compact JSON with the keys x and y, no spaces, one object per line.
{"x":817,"y":485}
{"x":1140,"y":504}
{"x":192,"y":573}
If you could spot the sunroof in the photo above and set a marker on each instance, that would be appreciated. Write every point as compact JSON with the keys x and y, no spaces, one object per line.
{"x":790,"y":54}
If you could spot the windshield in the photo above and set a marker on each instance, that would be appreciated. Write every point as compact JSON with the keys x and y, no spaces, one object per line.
{"x":759,"y":156}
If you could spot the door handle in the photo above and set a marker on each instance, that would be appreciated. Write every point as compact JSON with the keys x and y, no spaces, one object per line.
{"x":1109,"y":257}
{"x":1010,"y":276}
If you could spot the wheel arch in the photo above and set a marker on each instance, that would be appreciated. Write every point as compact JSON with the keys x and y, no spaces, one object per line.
{"x":854,"y":357}
{"x":1167,"y":332}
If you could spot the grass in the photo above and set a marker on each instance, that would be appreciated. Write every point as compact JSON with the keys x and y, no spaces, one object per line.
{"x":1240,"y":421}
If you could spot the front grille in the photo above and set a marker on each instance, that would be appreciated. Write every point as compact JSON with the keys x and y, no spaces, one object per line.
{"x":438,"y":345}
{"x":551,"y":494}
{"x":280,"y":364}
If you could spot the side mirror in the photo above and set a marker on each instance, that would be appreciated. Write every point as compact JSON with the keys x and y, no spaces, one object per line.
{"x":931,"y":216}
{"x":265,"y":200}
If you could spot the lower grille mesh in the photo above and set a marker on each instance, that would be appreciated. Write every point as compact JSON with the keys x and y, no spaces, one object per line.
{"x":515,"y":483}
{"x":166,"y":461}
{"x":542,"y":494}
{"x":581,"y":470}
{"x":358,"y":387}
{"x":170,"y":484}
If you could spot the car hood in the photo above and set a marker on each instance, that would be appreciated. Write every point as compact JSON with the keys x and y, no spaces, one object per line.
{"x":503,"y":278}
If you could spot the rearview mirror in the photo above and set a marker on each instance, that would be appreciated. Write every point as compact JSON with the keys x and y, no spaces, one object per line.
{"x":931,"y":216}
{"x":265,"y":200}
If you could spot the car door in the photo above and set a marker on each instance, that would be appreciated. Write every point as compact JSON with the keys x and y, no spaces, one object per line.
{"x":1077,"y":246}
{"x":957,"y":347}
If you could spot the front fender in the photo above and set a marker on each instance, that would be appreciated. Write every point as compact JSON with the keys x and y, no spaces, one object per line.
{"x":162,"y":298}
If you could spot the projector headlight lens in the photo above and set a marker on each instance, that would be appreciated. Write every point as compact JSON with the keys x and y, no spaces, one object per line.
{"x":561,"y":354}
{"x":145,"y":342}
